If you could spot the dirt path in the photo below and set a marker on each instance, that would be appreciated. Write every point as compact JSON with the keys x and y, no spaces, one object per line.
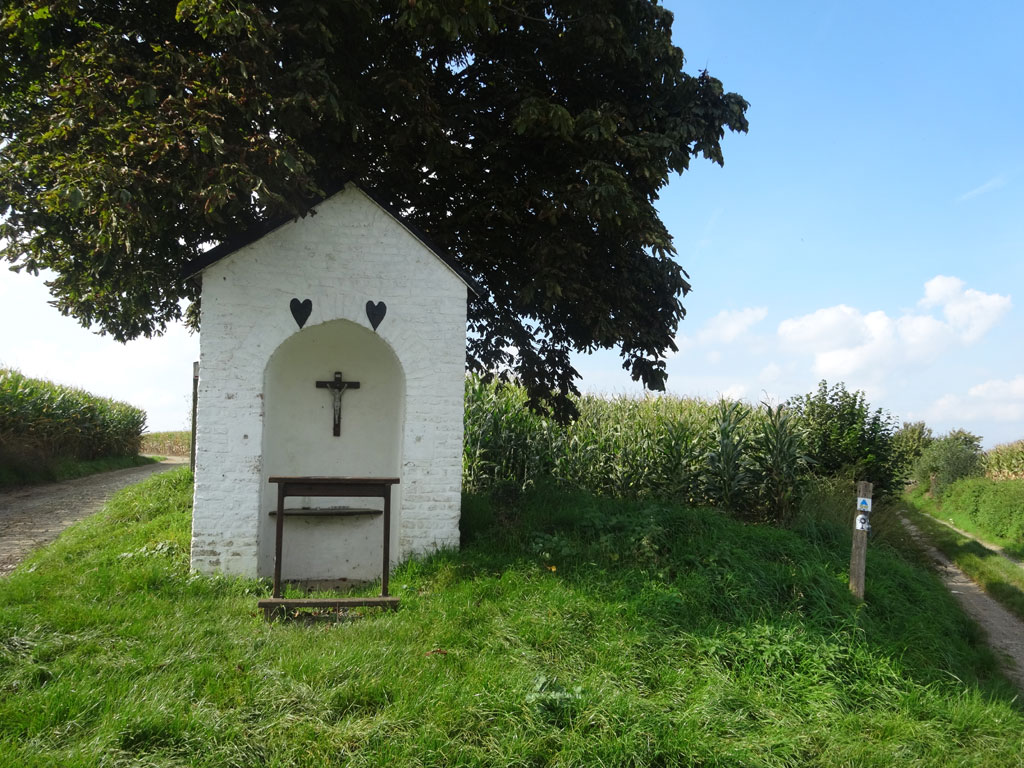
{"x":1005,"y":631}
{"x":33,"y":516}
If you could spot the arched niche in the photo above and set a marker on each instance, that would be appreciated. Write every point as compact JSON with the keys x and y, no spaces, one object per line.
{"x":298,"y":440}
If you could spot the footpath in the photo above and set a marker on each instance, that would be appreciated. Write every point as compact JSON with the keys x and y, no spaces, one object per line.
{"x":35,"y":515}
{"x":1004,"y":630}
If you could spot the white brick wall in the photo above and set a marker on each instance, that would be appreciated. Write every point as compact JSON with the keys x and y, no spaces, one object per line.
{"x":351,"y":252}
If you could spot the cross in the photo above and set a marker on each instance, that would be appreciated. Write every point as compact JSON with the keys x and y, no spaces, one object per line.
{"x":337,"y":387}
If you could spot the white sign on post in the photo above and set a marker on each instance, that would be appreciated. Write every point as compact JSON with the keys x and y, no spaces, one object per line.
{"x":862,"y":523}
{"x":863,"y":504}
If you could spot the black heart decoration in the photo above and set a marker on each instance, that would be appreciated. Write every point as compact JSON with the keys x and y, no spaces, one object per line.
{"x":375,"y":312}
{"x":301,"y":310}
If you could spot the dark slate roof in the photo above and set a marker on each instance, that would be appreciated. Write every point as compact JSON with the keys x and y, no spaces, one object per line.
{"x":215,"y":254}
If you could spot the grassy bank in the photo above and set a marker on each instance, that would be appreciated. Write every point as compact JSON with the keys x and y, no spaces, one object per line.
{"x":990,"y":509}
{"x":951,"y":509}
{"x":999,"y":576}
{"x":67,"y":469}
{"x":568,"y":631}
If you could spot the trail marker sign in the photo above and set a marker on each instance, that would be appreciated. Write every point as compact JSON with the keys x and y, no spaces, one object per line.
{"x":861,"y":526}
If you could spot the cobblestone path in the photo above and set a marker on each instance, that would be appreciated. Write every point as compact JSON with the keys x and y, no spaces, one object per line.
{"x":33,"y":516}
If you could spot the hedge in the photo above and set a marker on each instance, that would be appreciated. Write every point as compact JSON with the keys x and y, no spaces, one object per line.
{"x":996,"y":507}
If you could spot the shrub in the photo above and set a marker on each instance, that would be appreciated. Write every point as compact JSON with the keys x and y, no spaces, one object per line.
{"x":908,"y":444}
{"x":946,"y":460}
{"x":846,"y":438}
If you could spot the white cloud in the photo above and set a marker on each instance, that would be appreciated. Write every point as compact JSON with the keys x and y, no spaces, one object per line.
{"x":769,"y":373}
{"x":999,"y":389}
{"x":831,"y":328}
{"x":969,"y":313}
{"x":999,"y":401}
{"x":923,"y":336}
{"x":988,"y":186}
{"x":729,"y":325}
{"x":845,"y":341}
{"x":734,"y":392}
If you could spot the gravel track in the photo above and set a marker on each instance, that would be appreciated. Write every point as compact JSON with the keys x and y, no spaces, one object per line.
{"x":1004,"y":630}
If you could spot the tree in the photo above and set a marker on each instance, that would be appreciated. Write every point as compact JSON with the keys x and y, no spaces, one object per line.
{"x":845,"y":437}
{"x":955,"y":455}
{"x":909,"y":442}
{"x":528,"y":138}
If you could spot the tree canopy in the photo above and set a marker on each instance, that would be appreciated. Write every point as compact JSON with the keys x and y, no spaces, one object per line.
{"x":529,"y":138}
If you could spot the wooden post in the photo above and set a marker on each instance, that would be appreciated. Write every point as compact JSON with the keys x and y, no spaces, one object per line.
{"x":195,"y":399}
{"x":861,"y":526}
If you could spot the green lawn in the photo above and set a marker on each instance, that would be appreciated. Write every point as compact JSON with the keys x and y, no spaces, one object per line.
{"x":568,"y":631}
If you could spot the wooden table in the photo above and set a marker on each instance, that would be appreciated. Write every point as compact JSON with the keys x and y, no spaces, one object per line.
{"x":338,"y":487}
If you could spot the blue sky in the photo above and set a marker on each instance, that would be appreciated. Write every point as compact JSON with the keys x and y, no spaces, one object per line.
{"x":867,"y":229}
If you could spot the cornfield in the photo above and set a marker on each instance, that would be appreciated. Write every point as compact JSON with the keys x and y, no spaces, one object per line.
{"x":728,"y":454}
{"x":1006,"y":462}
{"x":41,"y":422}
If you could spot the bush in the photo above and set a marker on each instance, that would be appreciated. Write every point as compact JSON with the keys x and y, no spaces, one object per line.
{"x":846,"y":438}
{"x":912,"y":439}
{"x":948,"y":459}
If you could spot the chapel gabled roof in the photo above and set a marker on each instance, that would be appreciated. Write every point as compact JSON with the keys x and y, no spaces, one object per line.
{"x":206,"y":259}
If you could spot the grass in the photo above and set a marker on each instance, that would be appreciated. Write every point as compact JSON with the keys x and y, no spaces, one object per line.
{"x":68,"y":469}
{"x":921,"y":502}
{"x":994,"y":509}
{"x":999,"y":576}
{"x":568,"y":631}
{"x":167,"y":443}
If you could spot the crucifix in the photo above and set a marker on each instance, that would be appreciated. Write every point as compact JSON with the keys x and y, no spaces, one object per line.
{"x":337,"y":387}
